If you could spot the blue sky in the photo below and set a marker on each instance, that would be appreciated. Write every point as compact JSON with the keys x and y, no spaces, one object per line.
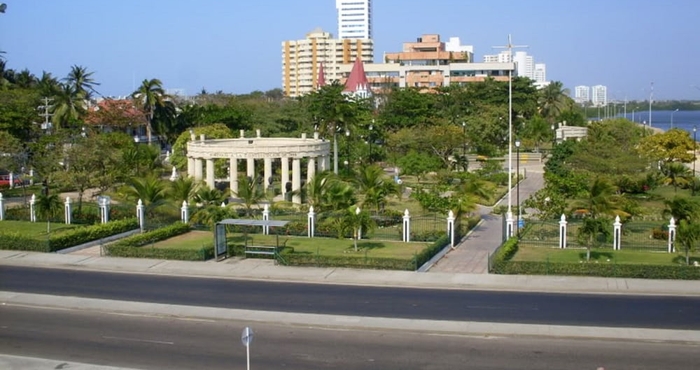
{"x":235,"y":46}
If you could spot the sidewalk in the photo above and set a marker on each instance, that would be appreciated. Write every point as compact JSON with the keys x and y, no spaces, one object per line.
{"x":471,"y":254}
{"x":257,"y":269}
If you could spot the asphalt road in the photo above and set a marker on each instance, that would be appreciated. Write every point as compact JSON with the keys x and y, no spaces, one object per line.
{"x":451,"y":305}
{"x":151,"y":342}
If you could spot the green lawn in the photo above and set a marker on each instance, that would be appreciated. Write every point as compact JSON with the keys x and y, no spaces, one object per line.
{"x":323,"y":246}
{"x":556,"y":255}
{"x":33,"y":228}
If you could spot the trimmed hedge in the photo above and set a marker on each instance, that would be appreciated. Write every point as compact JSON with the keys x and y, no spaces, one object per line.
{"x":86,"y":234}
{"x":502,"y":264}
{"x":598,"y":269}
{"x":66,"y":239}
{"x":18,"y":242}
{"x":136,"y":246}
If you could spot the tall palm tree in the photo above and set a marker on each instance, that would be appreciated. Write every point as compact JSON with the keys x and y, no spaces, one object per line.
{"x":599,"y":198}
{"x":25,"y":79}
{"x":48,"y":85}
{"x":82,"y":82}
{"x":553,"y":100}
{"x":68,"y":106}
{"x":150,"y":95}
{"x":681,"y":208}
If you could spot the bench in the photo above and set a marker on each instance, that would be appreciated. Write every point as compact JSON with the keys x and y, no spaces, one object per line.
{"x":261,"y":250}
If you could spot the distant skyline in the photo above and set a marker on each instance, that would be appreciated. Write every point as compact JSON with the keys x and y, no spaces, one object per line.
{"x":234,"y":46}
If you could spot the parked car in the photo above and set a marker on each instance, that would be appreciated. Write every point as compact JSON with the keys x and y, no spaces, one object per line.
{"x":5,"y":181}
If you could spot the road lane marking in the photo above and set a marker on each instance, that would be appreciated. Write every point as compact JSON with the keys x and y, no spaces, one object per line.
{"x":139,"y":340}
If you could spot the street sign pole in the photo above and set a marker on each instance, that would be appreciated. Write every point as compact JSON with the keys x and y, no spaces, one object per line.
{"x":247,"y":339}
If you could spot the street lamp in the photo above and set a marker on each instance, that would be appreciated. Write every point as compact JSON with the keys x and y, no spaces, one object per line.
{"x":347,"y":151}
{"x":644,"y":128}
{"x":371,"y":127}
{"x":672,"y":113}
{"x":464,"y":139}
{"x":517,"y":199}
{"x":554,"y":135}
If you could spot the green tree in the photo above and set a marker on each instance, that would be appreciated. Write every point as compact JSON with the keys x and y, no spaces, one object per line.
{"x":674,"y":145}
{"x":151,"y":190}
{"x":250,"y":193}
{"x":677,"y":174}
{"x":81,"y":82}
{"x":553,"y":101}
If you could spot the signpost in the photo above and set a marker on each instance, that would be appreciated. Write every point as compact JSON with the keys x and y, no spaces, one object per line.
{"x":247,"y":339}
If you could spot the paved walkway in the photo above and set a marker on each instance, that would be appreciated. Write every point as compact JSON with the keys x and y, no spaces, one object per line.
{"x":470,"y":256}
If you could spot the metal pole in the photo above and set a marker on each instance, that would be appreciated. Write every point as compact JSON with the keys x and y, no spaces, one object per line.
{"x":464,"y":139}
{"x":247,"y":355}
{"x":371,"y":127}
{"x":517,"y":199}
{"x":695,"y":147}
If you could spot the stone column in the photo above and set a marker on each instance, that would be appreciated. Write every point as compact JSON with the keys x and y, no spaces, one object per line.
{"x":250,"y":171}
{"x":285,"y":174}
{"x":190,"y":166}
{"x":310,"y":170}
{"x":198,"y":169}
{"x":268,"y":172}
{"x":233,"y":175}
{"x":296,"y":179}
{"x":210,"y":173}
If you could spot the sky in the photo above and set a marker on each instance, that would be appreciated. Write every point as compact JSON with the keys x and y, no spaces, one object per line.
{"x":235,"y":45}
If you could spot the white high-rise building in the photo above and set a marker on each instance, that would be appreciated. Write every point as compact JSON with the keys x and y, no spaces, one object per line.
{"x":354,"y":19}
{"x":502,"y":57}
{"x":524,"y":65}
{"x":582,"y":94}
{"x":540,"y":73}
{"x":316,"y":60}
{"x":599,"y":95}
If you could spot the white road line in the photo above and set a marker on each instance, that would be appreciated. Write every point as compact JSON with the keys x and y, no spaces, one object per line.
{"x":139,"y":340}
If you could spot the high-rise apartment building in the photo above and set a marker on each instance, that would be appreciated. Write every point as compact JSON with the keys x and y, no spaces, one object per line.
{"x":302,"y":60}
{"x":524,"y":65}
{"x":599,"y":95}
{"x":354,"y":19}
{"x":582,"y":94}
{"x":540,"y":73}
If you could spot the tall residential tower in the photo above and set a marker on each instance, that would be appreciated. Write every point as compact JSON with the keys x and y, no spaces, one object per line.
{"x":354,"y":19}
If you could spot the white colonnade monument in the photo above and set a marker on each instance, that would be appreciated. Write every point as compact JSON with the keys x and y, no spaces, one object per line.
{"x":202,"y":152}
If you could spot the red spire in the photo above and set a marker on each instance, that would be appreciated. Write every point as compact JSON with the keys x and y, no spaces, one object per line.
{"x":321,"y":76}
{"x":357,"y":79}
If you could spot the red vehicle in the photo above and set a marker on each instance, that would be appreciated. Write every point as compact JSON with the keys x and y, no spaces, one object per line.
{"x":5,"y":181}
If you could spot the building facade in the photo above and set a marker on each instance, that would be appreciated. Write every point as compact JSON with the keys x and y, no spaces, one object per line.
{"x":582,"y":94}
{"x":599,"y":95}
{"x":304,"y":60}
{"x":354,"y":19}
{"x":427,"y":63}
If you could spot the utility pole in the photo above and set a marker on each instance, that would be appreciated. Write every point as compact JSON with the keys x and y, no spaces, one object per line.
{"x":509,"y":215}
{"x":46,"y":107}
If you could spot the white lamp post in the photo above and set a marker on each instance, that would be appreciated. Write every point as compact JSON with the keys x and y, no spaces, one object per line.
{"x":672,"y":113}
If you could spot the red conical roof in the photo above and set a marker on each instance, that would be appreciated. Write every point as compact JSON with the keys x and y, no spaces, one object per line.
{"x":321,"y":76}
{"x":357,"y":79}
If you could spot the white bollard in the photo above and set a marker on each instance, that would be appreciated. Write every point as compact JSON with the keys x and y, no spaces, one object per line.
{"x":141,"y":215}
{"x":32,"y":208}
{"x":671,"y":235}
{"x":311,"y":225}
{"x":451,"y":228}
{"x":184,"y":212}
{"x":406,"y":234}
{"x":562,"y":231}
{"x":2,"y":208}
{"x":266,"y":217}
{"x":68,"y":211}
{"x":617,"y":225}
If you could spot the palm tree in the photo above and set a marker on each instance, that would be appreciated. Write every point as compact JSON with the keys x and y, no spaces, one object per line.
{"x":25,"y":79}
{"x":48,"y":85}
{"x":553,"y":100}
{"x":590,"y":233}
{"x":688,"y":236}
{"x":68,"y":106}
{"x":151,"y":190}
{"x":314,"y":192}
{"x":183,"y":189}
{"x":48,"y":206}
{"x":357,"y":221}
{"x":681,"y":208}
{"x":599,"y":198}
{"x":210,"y":197}
{"x":677,"y":174}
{"x":375,"y":186}
{"x":150,"y":95}
{"x":82,"y":82}
{"x":249,"y":192}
